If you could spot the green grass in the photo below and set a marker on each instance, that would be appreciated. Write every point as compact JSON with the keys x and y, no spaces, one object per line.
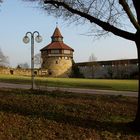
{"x":41,"y":115}
{"x":130,"y":85}
{"x":15,"y":79}
{"x":122,"y":85}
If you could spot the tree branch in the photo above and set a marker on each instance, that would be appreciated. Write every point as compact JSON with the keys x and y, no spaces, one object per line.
{"x":129,"y":14}
{"x":106,"y":26}
{"x":136,"y":5}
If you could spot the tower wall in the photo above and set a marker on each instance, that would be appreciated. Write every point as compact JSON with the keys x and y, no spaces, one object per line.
{"x":58,"y":66}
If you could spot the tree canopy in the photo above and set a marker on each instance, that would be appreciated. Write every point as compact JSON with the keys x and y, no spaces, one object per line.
{"x":3,"y":59}
{"x":120,"y":17}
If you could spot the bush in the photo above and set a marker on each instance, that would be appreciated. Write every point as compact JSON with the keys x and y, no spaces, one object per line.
{"x":76,"y":72}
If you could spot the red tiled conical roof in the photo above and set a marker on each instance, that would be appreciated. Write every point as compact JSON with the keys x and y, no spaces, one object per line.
{"x":57,"y":33}
{"x":57,"y":44}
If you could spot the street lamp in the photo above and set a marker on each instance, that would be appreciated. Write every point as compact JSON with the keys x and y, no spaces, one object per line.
{"x":26,"y":40}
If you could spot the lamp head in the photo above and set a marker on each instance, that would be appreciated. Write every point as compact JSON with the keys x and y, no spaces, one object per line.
{"x":38,"y":38}
{"x":26,"y":39}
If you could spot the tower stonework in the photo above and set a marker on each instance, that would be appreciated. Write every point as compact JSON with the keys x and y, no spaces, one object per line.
{"x":57,"y":57}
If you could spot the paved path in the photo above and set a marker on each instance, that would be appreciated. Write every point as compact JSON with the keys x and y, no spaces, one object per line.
{"x":75,"y":90}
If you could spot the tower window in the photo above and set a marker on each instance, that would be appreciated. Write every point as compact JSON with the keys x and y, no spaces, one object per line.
{"x":66,"y":51}
{"x":59,"y":39}
{"x":50,"y":73}
{"x":56,"y":62}
{"x":54,"y":51}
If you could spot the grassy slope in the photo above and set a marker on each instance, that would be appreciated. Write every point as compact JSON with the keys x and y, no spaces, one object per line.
{"x":130,"y":85}
{"x":124,"y":85}
{"x":40,"y":115}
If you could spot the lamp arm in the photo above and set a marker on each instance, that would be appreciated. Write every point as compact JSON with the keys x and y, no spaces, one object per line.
{"x":35,"y":33}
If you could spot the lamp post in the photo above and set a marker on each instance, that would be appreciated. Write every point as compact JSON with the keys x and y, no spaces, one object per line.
{"x":26,"y":40}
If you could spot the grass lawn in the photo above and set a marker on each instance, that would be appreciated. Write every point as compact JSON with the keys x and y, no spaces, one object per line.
{"x":41,"y":115}
{"x":122,"y":85}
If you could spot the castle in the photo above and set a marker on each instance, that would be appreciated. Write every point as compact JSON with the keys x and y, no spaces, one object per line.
{"x":58,"y":61}
{"x":57,"y":57}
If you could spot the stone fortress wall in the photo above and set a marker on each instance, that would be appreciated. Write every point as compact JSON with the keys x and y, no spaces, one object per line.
{"x":113,"y":69}
{"x":14,"y":71}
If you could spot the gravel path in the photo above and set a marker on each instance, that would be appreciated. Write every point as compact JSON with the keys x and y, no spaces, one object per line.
{"x":74,"y":90}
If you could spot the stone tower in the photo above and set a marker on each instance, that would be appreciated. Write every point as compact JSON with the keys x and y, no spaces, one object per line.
{"x":57,"y":57}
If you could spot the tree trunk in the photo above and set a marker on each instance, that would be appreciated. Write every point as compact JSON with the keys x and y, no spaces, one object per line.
{"x":136,"y":123}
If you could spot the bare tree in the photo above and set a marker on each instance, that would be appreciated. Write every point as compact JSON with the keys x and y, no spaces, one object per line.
{"x":110,"y":16}
{"x":38,"y":60}
{"x":93,"y":65}
{"x":4,"y":61}
{"x":92,"y":58}
{"x":23,"y":65}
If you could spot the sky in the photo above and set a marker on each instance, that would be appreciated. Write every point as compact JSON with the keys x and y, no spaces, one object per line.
{"x":18,"y":17}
